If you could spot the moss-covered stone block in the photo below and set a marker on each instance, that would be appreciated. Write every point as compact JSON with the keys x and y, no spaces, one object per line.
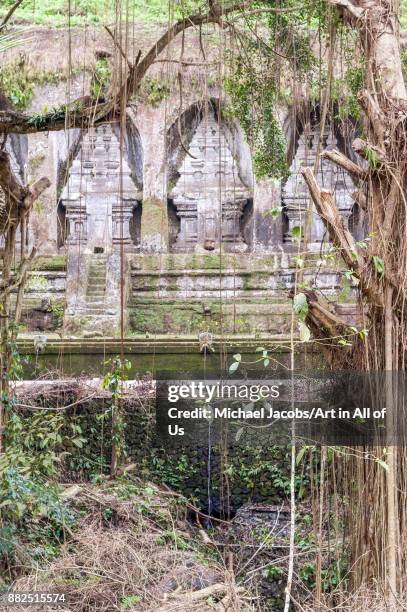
{"x":51,"y":263}
{"x":154,"y":226}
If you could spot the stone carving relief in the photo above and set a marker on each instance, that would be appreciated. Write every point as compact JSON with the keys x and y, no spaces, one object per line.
{"x":295,"y":194}
{"x":209,"y":196}
{"x":100,"y":196}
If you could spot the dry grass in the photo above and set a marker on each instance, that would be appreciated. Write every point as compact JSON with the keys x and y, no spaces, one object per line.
{"x":364,"y":600}
{"x":138,"y":553}
{"x":56,"y":52}
{"x":50,"y":51}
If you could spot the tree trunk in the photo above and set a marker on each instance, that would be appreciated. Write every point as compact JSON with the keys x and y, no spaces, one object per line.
{"x":18,"y":201}
{"x":381,"y":271}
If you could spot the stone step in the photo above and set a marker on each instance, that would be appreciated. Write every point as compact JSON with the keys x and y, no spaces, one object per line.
{"x":95,"y":311}
{"x":97,"y":270}
{"x":94,"y":300}
{"x":103,"y":312}
{"x":97,"y":283}
{"x":90,"y":316}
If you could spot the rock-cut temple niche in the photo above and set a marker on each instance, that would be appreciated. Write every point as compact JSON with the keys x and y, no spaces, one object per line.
{"x":209,"y":198}
{"x":100,"y":199}
{"x":295,"y":194}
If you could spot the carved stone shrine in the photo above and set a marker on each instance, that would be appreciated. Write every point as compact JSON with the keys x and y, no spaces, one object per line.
{"x":100,"y":196}
{"x":209,"y":195}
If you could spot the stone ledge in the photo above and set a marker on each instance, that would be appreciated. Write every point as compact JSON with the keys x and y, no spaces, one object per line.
{"x":158,"y":344}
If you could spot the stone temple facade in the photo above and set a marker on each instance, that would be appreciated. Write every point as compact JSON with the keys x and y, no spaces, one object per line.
{"x":295,"y":196}
{"x":209,"y":196}
{"x":165,"y":230}
{"x":100,"y":198}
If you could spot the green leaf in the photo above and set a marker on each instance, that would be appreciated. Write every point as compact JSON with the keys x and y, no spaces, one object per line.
{"x":300,"y":305}
{"x":378,"y":264}
{"x":239,"y":434}
{"x":275,"y":212}
{"x":362,"y":244}
{"x":237,"y":357}
{"x":383,"y":464}
{"x":266,"y":362}
{"x":78,"y":442}
{"x":344,"y":342}
{"x":305,"y":332}
{"x":297,"y":232}
{"x":233,"y":367}
{"x":300,"y":454}
{"x":349,"y":275}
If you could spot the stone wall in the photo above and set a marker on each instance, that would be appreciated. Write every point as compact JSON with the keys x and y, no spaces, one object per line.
{"x":169,"y":222}
{"x":187,"y":294}
{"x":180,"y":171}
{"x":44,"y":302}
{"x":184,"y":469}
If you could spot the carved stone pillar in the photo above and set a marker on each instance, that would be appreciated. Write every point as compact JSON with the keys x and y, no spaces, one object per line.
{"x":122,"y":213}
{"x":77,"y":221}
{"x":188,"y":232}
{"x":231,"y":215}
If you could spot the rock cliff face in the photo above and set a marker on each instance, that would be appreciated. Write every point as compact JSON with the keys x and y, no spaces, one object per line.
{"x":166,"y":224}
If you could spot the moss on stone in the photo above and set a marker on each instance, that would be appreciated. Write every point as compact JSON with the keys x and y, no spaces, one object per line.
{"x":154,"y":222}
{"x":154,"y":91}
{"x":52,"y":263}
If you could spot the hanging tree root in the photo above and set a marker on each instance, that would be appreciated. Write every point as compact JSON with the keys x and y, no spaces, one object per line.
{"x":18,"y":199}
{"x":341,"y":238}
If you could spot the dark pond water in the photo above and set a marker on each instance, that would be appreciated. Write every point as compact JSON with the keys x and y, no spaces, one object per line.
{"x":165,"y":364}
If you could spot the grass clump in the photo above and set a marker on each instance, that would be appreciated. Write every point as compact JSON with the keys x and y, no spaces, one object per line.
{"x":89,"y":12}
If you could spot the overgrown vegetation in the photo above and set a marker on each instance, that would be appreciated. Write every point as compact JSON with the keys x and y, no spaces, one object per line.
{"x":15,"y":84}
{"x":253,"y":102}
{"x":90,"y":12}
{"x":154,"y":91}
{"x":279,"y":58}
{"x":100,"y":78}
